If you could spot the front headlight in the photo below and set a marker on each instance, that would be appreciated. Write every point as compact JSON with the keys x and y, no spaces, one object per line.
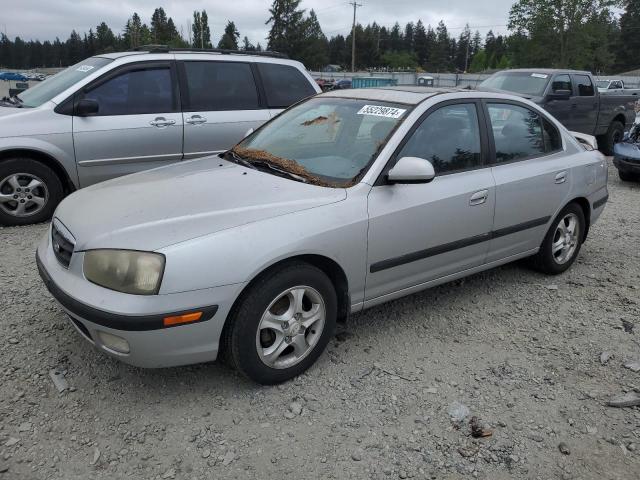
{"x":127,"y":271}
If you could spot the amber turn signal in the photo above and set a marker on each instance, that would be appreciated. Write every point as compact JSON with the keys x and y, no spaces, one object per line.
{"x":179,"y":319}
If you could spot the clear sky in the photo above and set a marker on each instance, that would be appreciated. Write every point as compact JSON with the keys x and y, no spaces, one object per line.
{"x":47,"y":19}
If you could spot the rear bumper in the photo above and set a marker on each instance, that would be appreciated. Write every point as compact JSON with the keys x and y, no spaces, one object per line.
{"x":140,"y":320}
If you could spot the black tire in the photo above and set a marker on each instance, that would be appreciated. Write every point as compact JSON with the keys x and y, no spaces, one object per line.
{"x":614,"y":135}
{"x":626,"y":176}
{"x":545,"y":261}
{"x":52,"y":184}
{"x":238,"y":341}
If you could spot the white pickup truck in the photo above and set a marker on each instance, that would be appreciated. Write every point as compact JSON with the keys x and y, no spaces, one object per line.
{"x":615,"y":86}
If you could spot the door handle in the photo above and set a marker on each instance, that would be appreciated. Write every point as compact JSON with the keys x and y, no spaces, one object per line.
{"x":196,"y":120}
{"x":479,"y":198}
{"x":161,"y":122}
{"x":561,"y":177}
{"x":574,"y":105}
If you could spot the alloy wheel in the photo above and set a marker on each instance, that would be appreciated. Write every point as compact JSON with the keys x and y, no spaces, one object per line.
{"x":565,"y":238}
{"x":23,"y":194}
{"x":290,"y":327}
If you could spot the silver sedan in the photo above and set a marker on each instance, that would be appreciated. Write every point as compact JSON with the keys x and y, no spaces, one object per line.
{"x":345,"y":201}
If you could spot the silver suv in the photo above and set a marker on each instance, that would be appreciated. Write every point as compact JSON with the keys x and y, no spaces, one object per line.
{"x":119,"y":113}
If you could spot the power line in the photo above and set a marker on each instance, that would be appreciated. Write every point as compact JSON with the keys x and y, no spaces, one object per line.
{"x":353,"y":36}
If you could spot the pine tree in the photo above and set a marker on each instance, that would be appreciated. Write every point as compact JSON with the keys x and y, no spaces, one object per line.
{"x":159,"y":30}
{"x":629,"y":49}
{"x":315,"y":48}
{"x":197,"y":40}
{"x":229,"y":40}
{"x":286,"y":22}
{"x":420,"y":43}
{"x":247,"y":45}
{"x":205,"y":31}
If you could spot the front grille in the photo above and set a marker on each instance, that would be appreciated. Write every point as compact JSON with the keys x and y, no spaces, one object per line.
{"x":62,"y":246}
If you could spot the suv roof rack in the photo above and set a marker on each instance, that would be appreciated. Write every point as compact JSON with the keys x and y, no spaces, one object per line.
{"x":223,"y":51}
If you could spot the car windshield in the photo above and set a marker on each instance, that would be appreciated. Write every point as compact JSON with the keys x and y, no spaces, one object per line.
{"x":524,"y":83}
{"x":58,"y":83}
{"x":602,"y":84}
{"x":325,"y":141}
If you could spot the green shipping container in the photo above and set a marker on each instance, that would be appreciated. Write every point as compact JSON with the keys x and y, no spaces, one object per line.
{"x":373,"y":82}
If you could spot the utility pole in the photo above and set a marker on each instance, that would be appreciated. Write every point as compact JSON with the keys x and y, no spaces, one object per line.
{"x":353,"y":36}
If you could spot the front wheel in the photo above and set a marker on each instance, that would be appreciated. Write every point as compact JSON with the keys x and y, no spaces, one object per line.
{"x":282,"y":324}
{"x":29,"y":192}
{"x":562,"y":242}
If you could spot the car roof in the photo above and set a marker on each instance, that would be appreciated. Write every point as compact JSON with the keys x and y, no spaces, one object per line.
{"x":212,"y":53}
{"x":404,"y":94}
{"x":545,"y":70}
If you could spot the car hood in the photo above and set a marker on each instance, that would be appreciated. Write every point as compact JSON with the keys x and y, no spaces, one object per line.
{"x":168,"y":205}
{"x":8,"y":110}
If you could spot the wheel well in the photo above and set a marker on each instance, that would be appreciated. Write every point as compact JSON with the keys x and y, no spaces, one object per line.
{"x":586,"y":209}
{"x":619,"y":118}
{"x":329,"y":267}
{"x":45,"y":159}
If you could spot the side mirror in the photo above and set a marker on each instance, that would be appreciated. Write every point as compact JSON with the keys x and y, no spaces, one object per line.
{"x":560,"y":95}
{"x":86,"y":107}
{"x":411,"y":170}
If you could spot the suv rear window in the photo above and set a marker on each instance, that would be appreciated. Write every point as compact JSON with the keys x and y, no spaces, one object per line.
{"x":217,"y":85}
{"x":284,"y":85}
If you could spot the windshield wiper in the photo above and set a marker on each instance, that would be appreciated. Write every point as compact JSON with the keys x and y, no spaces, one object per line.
{"x":12,"y":101}
{"x":262,"y":165}
{"x":238,"y":159}
{"x":281,"y":172}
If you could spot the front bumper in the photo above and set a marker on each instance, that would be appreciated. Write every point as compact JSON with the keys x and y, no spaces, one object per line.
{"x":138,"y":319}
{"x":627,"y":165}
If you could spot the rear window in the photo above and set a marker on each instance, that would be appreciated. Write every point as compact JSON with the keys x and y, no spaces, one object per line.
{"x":284,"y":85}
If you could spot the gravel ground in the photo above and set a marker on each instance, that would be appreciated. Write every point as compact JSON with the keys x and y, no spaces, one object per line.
{"x":520,"y":350}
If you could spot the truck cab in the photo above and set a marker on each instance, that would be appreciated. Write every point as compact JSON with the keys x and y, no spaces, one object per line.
{"x":573,"y":98}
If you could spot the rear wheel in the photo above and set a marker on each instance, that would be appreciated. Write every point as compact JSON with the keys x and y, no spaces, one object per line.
{"x":282,"y":324}
{"x":562,"y":242}
{"x":614,"y":135}
{"x":29,"y":192}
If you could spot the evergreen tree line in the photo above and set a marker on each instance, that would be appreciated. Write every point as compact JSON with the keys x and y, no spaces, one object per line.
{"x":582,"y":34}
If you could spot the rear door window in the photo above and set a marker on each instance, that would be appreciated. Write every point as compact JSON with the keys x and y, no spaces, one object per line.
{"x":584,"y":86}
{"x":214,"y":86}
{"x":284,"y":85}
{"x":517,"y":132}
{"x":135,"y":92}
{"x":551,"y":136}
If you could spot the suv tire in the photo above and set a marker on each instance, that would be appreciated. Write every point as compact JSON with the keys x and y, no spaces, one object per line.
{"x":29,"y":192}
